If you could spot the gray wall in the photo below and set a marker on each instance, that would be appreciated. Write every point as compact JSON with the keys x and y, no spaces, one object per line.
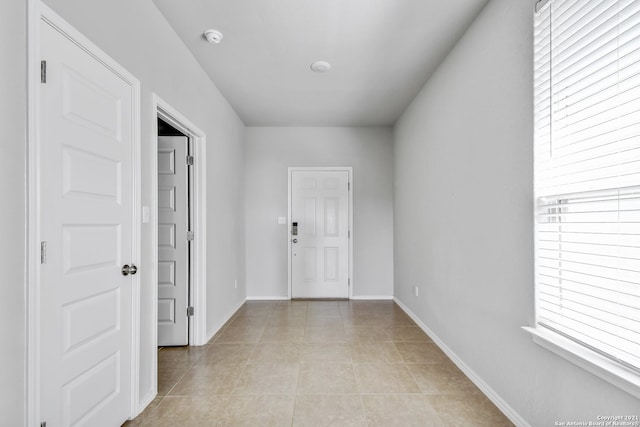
{"x":13,"y":121}
{"x":269,"y":152}
{"x":463,"y":226}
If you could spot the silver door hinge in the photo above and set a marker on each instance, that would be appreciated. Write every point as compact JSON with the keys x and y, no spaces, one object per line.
{"x":43,"y":424}
{"x":349,"y":281}
{"x":43,"y":252}
{"x":349,"y":186}
{"x":189,"y":160}
{"x":43,"y":71}
{"x":190,"y":311}
{"x":349,"y":232}
{"x":190,"y":235}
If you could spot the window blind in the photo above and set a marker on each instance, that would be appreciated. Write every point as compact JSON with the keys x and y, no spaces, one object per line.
{"x":587,"y":173}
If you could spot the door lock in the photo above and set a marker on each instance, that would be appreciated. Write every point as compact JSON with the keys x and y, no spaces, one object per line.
{"x":129,"y":269}
{"x":295,"y":240}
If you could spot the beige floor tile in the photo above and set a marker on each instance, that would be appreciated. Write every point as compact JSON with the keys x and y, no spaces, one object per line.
{"x":257,"y":307}
{"x":287,"y":320}
{"x":326,"y":321}
{"x":323,"y":308}
{"x":406,"y":333}
{"x":420,"y":352}
{"x":384,"y":378}
{"x":375,"y":352}
{"x":323,"y":334}
{"x":226,"y":354}
{"x":364,"y":333}
{"x":397,"y":318}
{"x":326,"y":352}
{"x":246,"y":334}
{"x":285,"y":352}
{"x":249,"y":321}
{"x":328,"y":410}
{"x":401,"y":410}
{"x":441,"y":378}
{"x":208,"y":380}
{"x":169,"y":377}
{"x":268,"y":378}
{"x":254,"y":411}
{"x":187,"y":411}
{"x":326,"y":378}
{"x":283,"y":333}
{"x":364,"y":320}
{"x":315,"y":363}
{"x":471,"y":409}
{"x":140,"y":419}
{"x":295,"y":308}
{"x":172,"y":357}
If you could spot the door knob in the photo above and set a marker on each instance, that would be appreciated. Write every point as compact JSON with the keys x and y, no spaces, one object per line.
{"x":295,"y":240}
{"x":129,"y":269}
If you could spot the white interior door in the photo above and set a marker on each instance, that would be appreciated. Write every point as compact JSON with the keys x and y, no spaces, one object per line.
{"x":320,"y":249}
{"x":86,"y":218}
{"x":173,"y":246}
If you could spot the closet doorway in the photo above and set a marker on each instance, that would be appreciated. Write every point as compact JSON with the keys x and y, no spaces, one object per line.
{"x":177,"y":219}
{"x":175,"y":234}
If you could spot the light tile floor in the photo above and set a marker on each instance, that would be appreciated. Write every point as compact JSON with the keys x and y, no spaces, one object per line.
{"x":316,"y":363}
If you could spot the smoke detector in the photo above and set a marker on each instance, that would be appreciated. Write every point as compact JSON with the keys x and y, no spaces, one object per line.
{"x":320,"y":66}
{"x":213,"y":36}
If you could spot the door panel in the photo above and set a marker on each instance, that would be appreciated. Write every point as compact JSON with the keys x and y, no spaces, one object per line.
{"x":86,"y":208}
{"x":320,"y":251}
{"x":173,"y":247}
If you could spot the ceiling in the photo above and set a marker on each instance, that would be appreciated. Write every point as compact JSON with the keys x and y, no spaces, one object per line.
{"x":381,"y":51}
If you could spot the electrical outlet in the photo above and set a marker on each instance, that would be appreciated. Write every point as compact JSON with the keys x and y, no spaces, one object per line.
{"x":416,"y":290}
{"x":235,"y":284}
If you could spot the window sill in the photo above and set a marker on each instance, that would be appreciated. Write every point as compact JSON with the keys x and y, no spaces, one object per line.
{"x":606,"y":369}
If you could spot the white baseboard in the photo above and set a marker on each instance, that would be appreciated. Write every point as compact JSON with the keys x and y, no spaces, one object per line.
{"x":144,"y":403}
{"x":353,"y":297}
{"x":479,"y":382}
{"x":226,"y":318}
{"x":371,"y":297}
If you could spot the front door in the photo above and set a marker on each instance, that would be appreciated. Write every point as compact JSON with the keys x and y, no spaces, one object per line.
{"x":173,"y":241}
{"x":320,"y":233}
{"x":86,"y":217}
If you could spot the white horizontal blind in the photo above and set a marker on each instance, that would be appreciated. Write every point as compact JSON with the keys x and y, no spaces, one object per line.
{"x":587,"y":173}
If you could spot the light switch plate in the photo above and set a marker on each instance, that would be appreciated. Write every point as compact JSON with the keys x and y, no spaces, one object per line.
{"x":282,"y":220}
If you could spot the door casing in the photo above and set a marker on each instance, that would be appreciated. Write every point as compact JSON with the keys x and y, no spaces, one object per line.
{"x":37,"y":13}
{"x":198,"y":290}
{"x":291,"y":169}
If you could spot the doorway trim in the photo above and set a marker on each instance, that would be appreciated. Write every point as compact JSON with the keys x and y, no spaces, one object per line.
{"x":39,"y":14}
{"x":198,"y":289}
{"x":291,"y":169}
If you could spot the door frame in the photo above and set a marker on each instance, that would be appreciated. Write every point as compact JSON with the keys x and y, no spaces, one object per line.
{"x":40,"y":14}
{"x":198,"y":289}
{"x":291,"y":169}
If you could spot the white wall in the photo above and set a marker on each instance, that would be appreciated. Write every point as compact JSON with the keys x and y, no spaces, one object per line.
{"x":137,"y":36}
{"x":269,"y":151}
{"x":464,"y":225}
{"x":13,"y":120}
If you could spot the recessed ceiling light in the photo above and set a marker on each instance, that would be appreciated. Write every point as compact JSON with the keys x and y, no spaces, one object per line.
{"x":213,"y":36}
{"x":320,"y":66}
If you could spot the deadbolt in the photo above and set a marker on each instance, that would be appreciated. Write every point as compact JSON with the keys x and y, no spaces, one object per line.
{"x":129,"y":269}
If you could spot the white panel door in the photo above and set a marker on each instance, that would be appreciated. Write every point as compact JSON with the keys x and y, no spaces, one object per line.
{"x":173,"y":256}
{"x":86,"y":220}
{"x":320,"y":250}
